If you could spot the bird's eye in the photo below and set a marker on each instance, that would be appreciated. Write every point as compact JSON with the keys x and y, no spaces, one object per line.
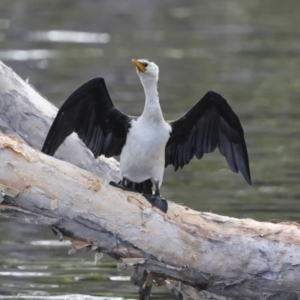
{"x":145,"y":64}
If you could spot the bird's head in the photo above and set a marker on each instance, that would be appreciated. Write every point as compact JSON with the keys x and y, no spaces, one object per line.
{"x":148,"y":71}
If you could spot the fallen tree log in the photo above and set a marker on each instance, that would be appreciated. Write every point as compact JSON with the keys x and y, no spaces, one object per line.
{"x":199,"y":255}
{"x":27,"y":115}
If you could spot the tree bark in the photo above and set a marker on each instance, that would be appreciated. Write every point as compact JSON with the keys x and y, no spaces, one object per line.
{"x":25,"y":114}
{"x":199,"y":255}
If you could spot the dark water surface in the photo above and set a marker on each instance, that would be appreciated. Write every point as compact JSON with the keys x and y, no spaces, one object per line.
{"x":248,"y":52}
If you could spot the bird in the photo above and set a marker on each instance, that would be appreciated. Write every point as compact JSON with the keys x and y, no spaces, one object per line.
{"x":147,"y":144}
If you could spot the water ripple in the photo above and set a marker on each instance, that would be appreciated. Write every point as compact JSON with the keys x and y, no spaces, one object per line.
{"x":60,"y":297}
{"x":69,"y":36}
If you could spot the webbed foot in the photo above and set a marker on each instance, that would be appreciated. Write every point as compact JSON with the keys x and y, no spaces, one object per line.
{"x":121,"y":186}
{"x":157,"y":201}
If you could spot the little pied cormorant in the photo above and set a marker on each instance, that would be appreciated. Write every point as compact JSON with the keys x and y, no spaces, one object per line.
{"x":148,"y":144}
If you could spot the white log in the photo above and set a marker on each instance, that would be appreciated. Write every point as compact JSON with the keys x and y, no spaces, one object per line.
{"x":226,"y":257}
{"x":26,"y":114}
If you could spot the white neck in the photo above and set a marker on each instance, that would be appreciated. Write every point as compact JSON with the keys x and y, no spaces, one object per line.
{"x":152,"y":110}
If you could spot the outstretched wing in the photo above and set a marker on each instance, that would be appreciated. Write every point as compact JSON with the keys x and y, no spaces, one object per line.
{"x":90,"y":113}
{"x":209,"y":124}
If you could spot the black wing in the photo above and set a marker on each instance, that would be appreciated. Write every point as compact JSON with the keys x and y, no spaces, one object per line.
{"x":209,"y":124}
{"x":90,"y":113}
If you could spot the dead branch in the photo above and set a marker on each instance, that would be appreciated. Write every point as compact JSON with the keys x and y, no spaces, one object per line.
{"x":199,"y":255}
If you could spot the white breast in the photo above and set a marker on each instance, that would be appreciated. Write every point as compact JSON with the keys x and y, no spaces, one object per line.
{"x":143,"y":155}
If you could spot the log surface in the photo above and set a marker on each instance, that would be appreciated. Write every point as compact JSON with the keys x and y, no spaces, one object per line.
{"x":226,"y":258}
{"x":27,"y":115}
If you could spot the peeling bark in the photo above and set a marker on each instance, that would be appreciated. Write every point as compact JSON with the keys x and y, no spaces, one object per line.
{"x":199,"y":255}
{"x":25,"y":114}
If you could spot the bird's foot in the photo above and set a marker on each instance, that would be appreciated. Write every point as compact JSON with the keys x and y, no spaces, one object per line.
{"x":121,"y":186}
{"x":157,"y":201}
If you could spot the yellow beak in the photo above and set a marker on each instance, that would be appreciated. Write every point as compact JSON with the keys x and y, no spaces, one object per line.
{"x":139,"y":66}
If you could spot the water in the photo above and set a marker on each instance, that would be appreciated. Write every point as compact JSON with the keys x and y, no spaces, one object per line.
{"x":248,"y":52}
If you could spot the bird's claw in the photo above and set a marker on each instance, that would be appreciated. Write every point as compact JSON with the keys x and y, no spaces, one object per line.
{"x":157,"y":201}
{"x":121,"y":186}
